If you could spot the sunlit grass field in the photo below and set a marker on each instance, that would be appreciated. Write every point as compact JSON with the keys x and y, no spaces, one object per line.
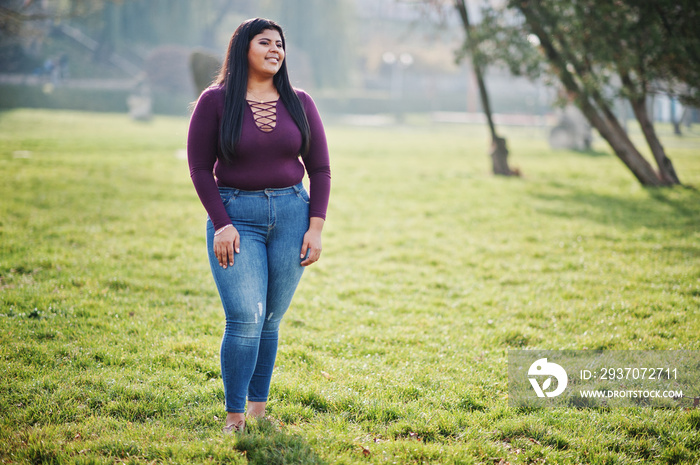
{"x":395,"y":348}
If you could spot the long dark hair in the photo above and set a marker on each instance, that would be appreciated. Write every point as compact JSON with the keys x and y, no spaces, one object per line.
{"x":234,"y":78}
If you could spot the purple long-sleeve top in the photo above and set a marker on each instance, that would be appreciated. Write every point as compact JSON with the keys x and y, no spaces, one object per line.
{"x":263,"y":159}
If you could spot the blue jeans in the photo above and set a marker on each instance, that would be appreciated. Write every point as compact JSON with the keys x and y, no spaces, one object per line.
{"x":257,"y":290}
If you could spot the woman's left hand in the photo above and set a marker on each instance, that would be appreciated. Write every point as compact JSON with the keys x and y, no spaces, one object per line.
{"x":312,"y":242}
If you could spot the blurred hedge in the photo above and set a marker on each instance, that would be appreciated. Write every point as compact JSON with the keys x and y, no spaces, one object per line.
{"x":100,"y":100}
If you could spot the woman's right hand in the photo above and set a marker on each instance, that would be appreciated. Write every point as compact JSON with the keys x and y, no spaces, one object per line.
{"x":225,"y":243}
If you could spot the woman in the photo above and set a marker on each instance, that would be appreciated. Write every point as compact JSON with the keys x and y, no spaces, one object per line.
{"x":247,"y":138}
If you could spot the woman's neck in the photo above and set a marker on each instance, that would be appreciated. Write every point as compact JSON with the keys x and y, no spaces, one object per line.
{"x":261,"y":91}
{"x":261,"y":86}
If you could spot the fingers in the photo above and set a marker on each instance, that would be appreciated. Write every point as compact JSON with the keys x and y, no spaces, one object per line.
{"x":311,"y":247}
{"x":224,"y":246}
{"x":314,"y":253}
{"x":229,"y":254}
{"x":236,"y":245}
{"x":224,"y":254}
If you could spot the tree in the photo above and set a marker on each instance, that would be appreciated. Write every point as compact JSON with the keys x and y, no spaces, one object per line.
{"x":601,"y":50}
{"x":589,"y":42}
{"x":471,"y":48}
{"x":499,"y":149}
{"x":676,"y":63}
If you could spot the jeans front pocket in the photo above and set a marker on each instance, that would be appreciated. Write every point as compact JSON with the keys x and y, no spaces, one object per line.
{"x":303,"y":195}
{"x":227,"y":196}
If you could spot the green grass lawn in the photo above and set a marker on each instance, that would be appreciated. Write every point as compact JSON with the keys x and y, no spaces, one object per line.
{"x":395,"y":349}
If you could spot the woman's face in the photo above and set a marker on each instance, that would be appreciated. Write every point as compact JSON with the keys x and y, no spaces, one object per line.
{"x":265,"y":53}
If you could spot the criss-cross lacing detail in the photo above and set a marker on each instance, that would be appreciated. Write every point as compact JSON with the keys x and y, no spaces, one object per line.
{"x":264,"y":114}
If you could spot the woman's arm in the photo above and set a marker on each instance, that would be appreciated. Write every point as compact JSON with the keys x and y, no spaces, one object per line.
{"x":317,"y":161}
{"x":202,"y":151}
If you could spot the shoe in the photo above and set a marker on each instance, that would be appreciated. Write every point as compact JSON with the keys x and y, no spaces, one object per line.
{"x":235,"y":427}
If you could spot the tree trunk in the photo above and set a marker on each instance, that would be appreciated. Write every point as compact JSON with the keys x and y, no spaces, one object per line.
{"x":623,"y":147}
{"x":675,"y":121}
{"x":638,"y":100}
{"x":499,"y":150}
{"x":666,"y":170}
{"x":499,"y":158}
{"x":485,"y":103}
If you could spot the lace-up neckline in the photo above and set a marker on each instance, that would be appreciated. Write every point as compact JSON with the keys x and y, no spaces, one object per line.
{"x":264,"y":114}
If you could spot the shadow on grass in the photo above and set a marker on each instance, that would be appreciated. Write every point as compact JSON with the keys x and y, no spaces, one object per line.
{"x":661,"y":195}
{"x":665,"y":208}
{"x":264,"y":443}
{"x":592,"y":153}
